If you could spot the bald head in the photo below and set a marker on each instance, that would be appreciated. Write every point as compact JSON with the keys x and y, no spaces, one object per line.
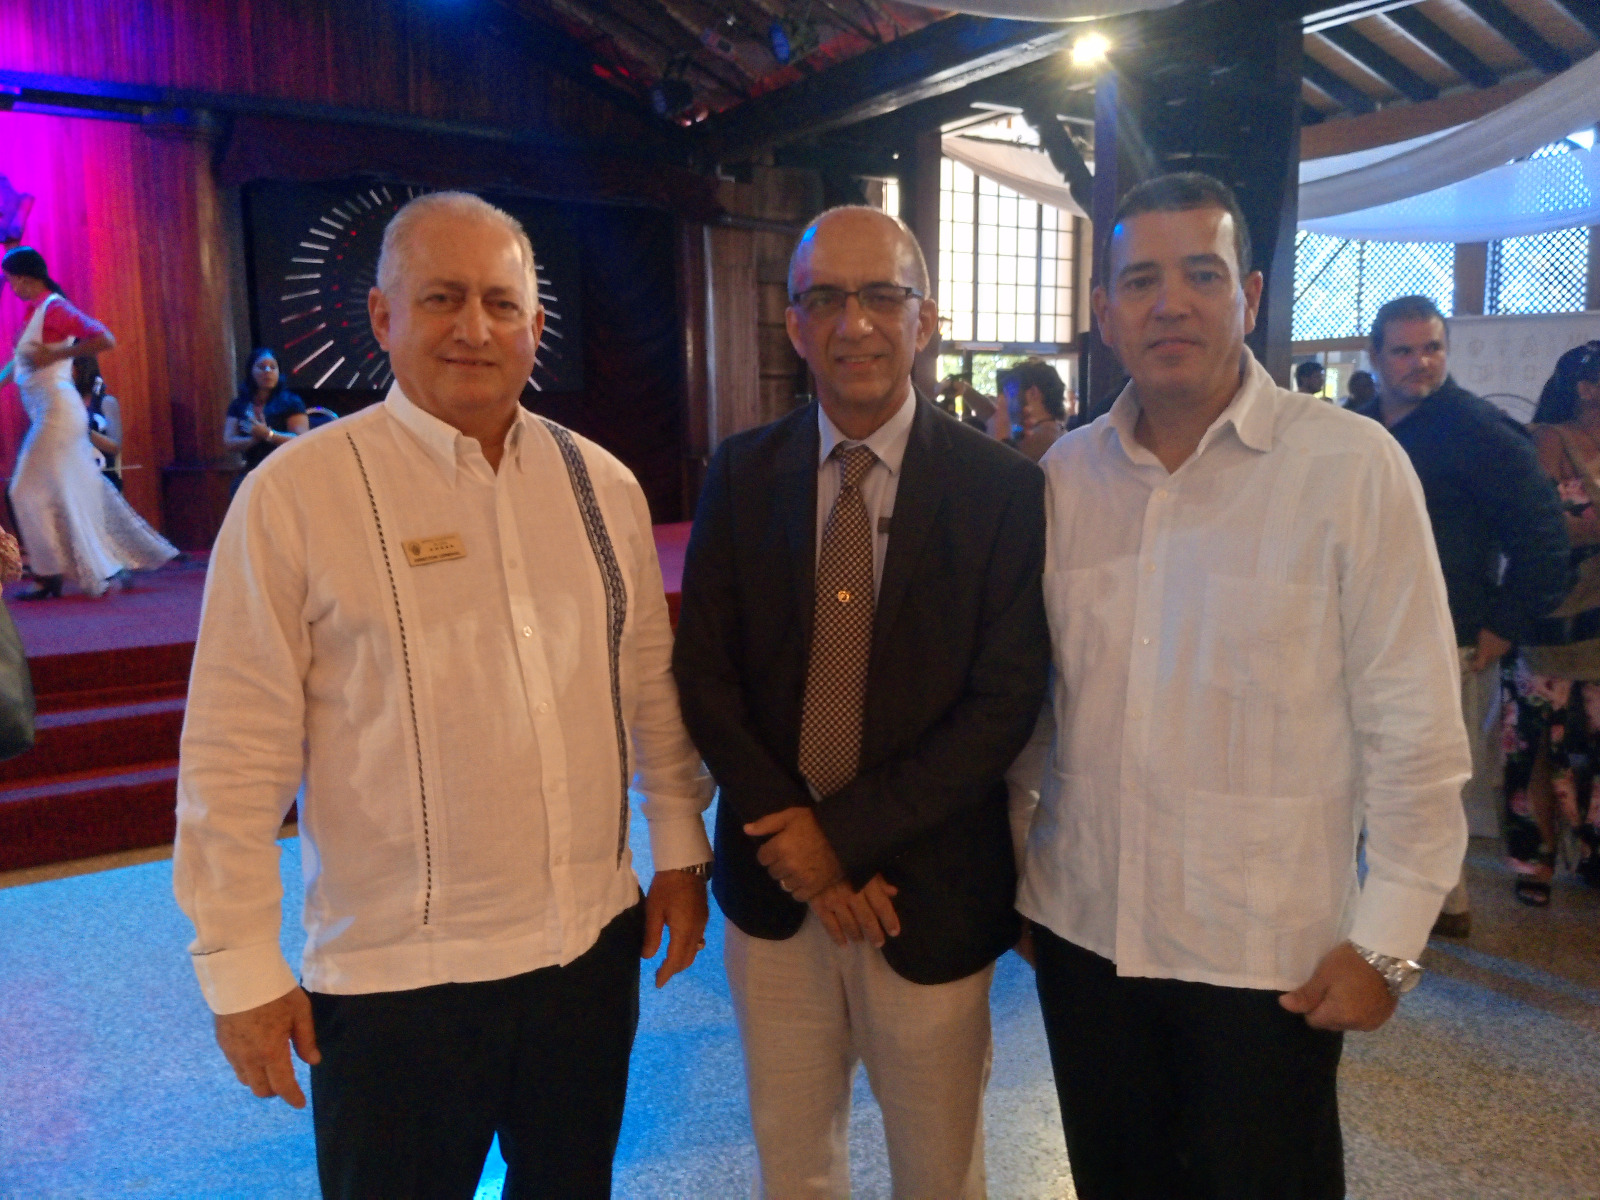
{"x":860,"y":222}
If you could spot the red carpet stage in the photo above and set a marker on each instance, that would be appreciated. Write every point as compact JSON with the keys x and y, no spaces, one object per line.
{"x":110,"y":677}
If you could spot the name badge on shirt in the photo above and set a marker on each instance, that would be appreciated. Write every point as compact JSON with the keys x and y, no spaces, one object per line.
{"x":423,"y":552}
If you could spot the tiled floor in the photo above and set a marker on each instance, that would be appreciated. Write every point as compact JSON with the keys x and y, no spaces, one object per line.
{"x":1486,"y":1085}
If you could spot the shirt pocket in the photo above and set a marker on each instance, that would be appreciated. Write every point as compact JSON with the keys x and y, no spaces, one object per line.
{"x":1256,"y":862}
{"x":1260,"y":638}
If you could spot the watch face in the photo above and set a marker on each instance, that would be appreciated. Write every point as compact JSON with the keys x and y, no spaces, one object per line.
{"x":314,"y":259}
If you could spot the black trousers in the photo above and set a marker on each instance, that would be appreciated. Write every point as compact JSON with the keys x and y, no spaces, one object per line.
{"x":414,"y":1085}
{"x":1173,"y":1090}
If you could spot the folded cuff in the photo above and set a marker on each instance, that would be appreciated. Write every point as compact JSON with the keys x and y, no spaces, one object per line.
{"x":1394,"y":919}
{"x":247,"y":977}
{"x":678,"y":842}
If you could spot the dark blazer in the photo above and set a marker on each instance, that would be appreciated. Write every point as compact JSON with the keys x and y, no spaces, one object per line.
{"x":956,"y":680}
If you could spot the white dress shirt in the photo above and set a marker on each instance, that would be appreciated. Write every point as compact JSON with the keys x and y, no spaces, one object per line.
{"x":452,"y":720}
{"x":1253,"y":659}
{"x":881,"y":483}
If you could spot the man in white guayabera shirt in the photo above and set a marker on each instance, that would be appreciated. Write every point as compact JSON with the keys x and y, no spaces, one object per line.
{"x":1254,"y":661}
{"x":446,"y":615}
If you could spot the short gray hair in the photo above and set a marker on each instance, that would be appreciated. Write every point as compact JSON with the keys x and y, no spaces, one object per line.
{"x":454,"y":204}
{"x":919,"y":262}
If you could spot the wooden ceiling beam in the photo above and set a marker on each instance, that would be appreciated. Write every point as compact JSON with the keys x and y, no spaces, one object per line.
{"x":1528,"y":41}
{"x":1381,"y":63}
{"x":1338,"y":88}
{"x":1584,"y":12}
{"x":1436,"y":41}
{"x":942,"y":57}
{"x":1401,"y":121}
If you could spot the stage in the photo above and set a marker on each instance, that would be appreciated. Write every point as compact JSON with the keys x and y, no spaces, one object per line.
{"x":110,"y":676}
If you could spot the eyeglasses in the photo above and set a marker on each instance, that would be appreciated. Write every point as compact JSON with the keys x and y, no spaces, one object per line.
{"x":879,"y":299}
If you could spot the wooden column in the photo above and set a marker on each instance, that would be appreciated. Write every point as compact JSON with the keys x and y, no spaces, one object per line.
{"x":1119,"y":163}
{"x":1472,"y":278}
{"x":189,"y":265}
{"x":1593,"y":298}
{"x":692,"y":297}
{"x":1216,"y":90}
{"x":919,"y":208}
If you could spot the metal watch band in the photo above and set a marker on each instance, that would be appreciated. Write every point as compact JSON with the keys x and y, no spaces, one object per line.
{"x":698,"y":870}
{"x":1400,"y":974}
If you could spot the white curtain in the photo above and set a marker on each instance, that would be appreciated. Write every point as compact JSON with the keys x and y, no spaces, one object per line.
{"x":1569,"y":101}
{"x":1455,"y":185}
{"x":1021,"y":168}
{"x":1538,"y":195}
{"x":1044,"y":10}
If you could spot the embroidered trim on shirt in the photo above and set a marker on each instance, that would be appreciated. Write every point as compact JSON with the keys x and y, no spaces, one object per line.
{"x":411,"y":691}
{"x":605,"y":557}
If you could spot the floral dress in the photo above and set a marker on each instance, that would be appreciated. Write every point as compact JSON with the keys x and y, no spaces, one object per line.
{"x":1565,"y":715}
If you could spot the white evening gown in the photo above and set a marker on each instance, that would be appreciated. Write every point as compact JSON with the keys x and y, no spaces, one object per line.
{"x":72,"y":521}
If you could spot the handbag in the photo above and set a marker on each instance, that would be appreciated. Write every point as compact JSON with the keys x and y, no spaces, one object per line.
{"x":16,"y":691}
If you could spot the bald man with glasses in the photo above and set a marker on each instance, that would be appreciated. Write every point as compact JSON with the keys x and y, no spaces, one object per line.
{"x":861,"y":653}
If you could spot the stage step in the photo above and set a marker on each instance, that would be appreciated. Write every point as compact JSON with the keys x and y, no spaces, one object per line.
{"x":85,"y":814}
{"x":119,"y":737}
{"x":99,"y":678}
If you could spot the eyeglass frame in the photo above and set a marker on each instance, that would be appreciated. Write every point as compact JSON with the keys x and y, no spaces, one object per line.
{"x":797,"y":299}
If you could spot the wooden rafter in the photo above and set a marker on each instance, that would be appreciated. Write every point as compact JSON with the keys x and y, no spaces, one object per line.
{"x":1380,"y":62}
{"x":1439,"y":43}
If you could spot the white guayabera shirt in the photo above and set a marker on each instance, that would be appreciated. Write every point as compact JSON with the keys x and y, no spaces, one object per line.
{"x":1254,"y":659}
{"x":467,"y":667}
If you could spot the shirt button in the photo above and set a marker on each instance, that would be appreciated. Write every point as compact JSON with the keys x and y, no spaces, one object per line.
{"x":544,"y":706}
{"x":511,"y":564}
{"x":1137,"y":714}
{"x":1161,"y":493}
{"x":1149,"y":568}
{"x":527,"y":631}
{"x":1144,"y":641}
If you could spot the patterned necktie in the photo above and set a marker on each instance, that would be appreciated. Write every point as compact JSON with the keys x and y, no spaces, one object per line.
{"x":841,"y":640}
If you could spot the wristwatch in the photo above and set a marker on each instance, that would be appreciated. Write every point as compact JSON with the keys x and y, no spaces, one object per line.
{"x":1400,"y":974}
{"x":701,"y":870}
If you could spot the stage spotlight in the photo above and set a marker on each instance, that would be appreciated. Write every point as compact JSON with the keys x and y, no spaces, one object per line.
{"x":671,"y":98}
{"x":792,"y":38}
{"x":1090,"y":50}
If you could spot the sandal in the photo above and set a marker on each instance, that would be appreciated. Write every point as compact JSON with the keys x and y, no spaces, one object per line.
{"x":1535,"y":893}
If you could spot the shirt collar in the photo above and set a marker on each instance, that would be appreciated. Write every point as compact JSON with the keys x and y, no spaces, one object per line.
{"x":1252,"y":413}
{"x":443,"y":441}
{"x":888,"y":442}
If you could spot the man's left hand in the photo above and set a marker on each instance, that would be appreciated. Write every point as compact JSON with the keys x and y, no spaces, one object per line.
{"x":1490,"y":648}
{"x":1345,"y":992}
{"x":676,"y":902}
{"x":796,"y":853}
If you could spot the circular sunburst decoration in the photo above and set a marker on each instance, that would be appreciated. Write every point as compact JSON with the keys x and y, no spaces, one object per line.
{"x":317,"y":319}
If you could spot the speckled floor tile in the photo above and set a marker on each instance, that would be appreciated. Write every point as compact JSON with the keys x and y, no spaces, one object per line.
{"x":1487,"y":1084}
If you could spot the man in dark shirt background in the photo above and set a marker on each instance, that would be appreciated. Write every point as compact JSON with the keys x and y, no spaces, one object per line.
{"x":1487,"y":498}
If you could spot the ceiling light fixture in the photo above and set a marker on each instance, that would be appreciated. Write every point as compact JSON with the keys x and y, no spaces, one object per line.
{"x":1090,"y":50}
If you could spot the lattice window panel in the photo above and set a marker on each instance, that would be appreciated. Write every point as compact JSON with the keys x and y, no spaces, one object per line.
{"x":1544,"y":273}
{"x":1005,"y":263}
{"x":1341,"y":284}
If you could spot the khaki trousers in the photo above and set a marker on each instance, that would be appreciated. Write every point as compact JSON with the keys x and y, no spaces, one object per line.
{"x":808,"y":1011}
{"x":1480,"y":796}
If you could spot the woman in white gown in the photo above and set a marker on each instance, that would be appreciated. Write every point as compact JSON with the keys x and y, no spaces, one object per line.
{"x":74,"y":524}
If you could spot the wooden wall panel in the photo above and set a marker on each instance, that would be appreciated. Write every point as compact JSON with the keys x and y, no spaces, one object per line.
{"x":118,"y":217}
{"x":419,"y":57}
{"x":735,"y":400}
